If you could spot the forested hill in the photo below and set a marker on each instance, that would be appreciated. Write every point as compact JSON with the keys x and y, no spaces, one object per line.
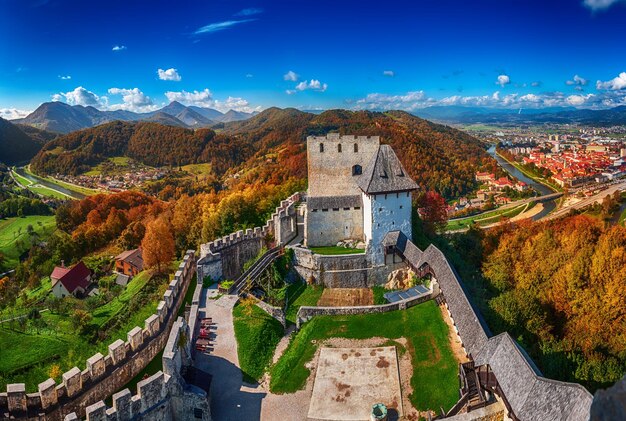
{"x":20,"y":143}
{"x":271,"y":146}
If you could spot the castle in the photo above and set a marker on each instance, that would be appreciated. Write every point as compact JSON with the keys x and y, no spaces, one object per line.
{"x":358,"y":190}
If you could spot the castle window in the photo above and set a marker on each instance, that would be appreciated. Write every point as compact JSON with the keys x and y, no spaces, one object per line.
{"x":335,"y":209}
{"x":356,"y":148}
{"x":339,"y":147}
{"x":321,"y":147}
{"x":400,"y":206}
{"x":357,"y":207}
{"x":313,"y":210}
{"x":324,"y":210}
{"x":380,"y":209}
{"x":346,"y":208}
{"x":197,"y":413}
{"x":357,"y":170}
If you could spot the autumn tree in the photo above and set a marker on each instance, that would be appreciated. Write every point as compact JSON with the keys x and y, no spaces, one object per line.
{"x":433,"y":211}
{"x":158,"y":244}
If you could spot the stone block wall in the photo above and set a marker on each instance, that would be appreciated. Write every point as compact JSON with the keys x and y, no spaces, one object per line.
{"x":103,"y":375}
{"x":343,"y":271}
{"x":224,"y":258}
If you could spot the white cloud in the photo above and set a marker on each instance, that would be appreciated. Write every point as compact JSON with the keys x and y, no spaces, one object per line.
{"x":578,"y":100}
{"x":169,"y":74}
{"x":249,"y":12}
{"x":415,"y":100}
{"x":133,"y":100}
{"x":536,"y":83}
{"x":600,"y":4}
{"x":220,"y":26}
{"x":614,"y":84}
{"x":389,"y":73}
{"x":313,"y":84}
{"x":291,"y":76}
{"x":205,"y":99}
{"x":503,"y":80}
{"x":119,"y":48}
{"x":81,"y":96}
{"x":66,"y":77}
{"x":199,"y":98}
{"x":577,"y":80}
{"x":249,"y":75}
{"x":13,"y":113}
{"x":290,"y":91}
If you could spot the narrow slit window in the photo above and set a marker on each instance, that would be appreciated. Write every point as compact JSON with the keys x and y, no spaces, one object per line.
{"x":321,"y":147}
{"x":356,"y":148}
{"x":339,"y":147}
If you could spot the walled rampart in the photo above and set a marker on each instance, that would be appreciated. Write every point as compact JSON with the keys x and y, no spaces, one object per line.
{"x":224,"y":258}
{"x":343,"y":271}
{"x":103,"y":375}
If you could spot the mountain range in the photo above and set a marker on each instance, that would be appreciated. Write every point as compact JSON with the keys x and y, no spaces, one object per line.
{"x":562,"y":115}
{"x":63,"y":118}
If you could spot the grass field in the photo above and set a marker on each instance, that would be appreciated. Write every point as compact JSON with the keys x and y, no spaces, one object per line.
{"x":34,"y":353}
{"x":334,"y":250}
{"x":301,"y":294}
{"x":257,"y":335}
{"x":199,"y":170}
{"x":485,"y":218}
{"x":103,"y":314}
{"x":435,"y":369}
{"x":38,"y":188}
{"x":14,"y":231}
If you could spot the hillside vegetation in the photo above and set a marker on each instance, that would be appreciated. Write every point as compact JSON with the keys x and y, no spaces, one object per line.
{"x":20,"y":143}
{"x":270,"y":147}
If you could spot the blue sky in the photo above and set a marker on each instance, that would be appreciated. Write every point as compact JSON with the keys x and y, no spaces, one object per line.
{"x":248,"y":55}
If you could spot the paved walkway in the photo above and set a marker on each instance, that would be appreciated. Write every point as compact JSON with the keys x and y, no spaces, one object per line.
{"x":231,"y":398}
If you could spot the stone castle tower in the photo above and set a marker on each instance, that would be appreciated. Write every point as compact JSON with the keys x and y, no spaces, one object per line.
{"x":358,"y":190}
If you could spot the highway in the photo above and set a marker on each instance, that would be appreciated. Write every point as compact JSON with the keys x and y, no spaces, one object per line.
{"x":598,"y":197}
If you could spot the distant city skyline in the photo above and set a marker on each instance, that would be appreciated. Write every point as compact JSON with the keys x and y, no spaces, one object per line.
{"x":247,"y":55}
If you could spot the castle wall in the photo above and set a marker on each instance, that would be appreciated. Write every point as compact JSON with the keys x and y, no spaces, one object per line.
{"x":343,"y":271}
{"x":224,"y":258}
{"x":103,"y":375}
{"x":385,"y":213}
{"x":326,"y":227}
{"x":330,"y":172}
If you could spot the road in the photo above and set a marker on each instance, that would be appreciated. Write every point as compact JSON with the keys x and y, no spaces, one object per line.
{"x":621,"y":186}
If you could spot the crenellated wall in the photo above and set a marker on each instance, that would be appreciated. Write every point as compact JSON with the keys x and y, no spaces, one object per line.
{"x":103,"y":375}
{"x":224,"y":258}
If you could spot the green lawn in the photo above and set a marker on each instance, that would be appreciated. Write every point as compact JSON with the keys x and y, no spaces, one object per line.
{"x":111,"y":309}
{"x":485,"y":218}
{"x":19,"y":350}
{"x":334,"y":250}
{"x":257,"y":335}
{"x":379,"y":292}
{"x":435,"y":369}
{"x":13,"y":232}
{"x":300,"y":294}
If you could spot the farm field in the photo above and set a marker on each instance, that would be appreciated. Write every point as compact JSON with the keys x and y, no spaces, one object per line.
{"x":14,"y":235}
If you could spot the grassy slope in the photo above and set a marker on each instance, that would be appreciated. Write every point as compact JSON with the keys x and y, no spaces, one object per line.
{"x":434,"y":379}
{"x":300,"y":294}
{"x":257,"y":336}
{"x":106,"y":312}
{"x":485,"y":218}
{"x":9,"y":235}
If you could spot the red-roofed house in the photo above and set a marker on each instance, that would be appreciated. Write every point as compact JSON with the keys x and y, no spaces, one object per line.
{"x":129,"y":262}
{"x":74,"y":281}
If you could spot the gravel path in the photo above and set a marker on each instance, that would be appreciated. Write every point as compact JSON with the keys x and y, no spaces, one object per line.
{"x":231,"y":398}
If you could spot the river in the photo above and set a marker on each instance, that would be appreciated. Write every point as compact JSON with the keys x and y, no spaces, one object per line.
{"x":514,"y":172}
{"x":46,"y":183}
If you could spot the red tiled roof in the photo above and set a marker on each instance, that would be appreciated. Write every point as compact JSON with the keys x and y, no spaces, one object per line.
{"x":74,"y":277}
{"x":59,"y":272}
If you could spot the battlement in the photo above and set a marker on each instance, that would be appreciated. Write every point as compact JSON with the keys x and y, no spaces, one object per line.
{"x":79,"y":388}
{"x":336,"y":137}
{"x":224,"y":257}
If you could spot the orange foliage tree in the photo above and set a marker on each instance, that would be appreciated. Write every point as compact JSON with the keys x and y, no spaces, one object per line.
{"x":158,"y":244}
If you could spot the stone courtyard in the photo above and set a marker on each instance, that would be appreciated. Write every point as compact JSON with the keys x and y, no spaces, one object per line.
{"x":349,"y":381}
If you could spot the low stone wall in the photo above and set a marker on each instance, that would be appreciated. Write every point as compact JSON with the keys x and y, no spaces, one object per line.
{"x":343,"y":271}
{"x":224,"y":258}
{"x":103,"y":375}
{"x":276,"y":312}
{"x":306,"y":313}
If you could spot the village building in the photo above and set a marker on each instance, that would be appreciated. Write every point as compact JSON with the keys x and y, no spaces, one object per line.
{"x":358,"y":190}
{"x":70,"y":281}
{"x":129,"y":263}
